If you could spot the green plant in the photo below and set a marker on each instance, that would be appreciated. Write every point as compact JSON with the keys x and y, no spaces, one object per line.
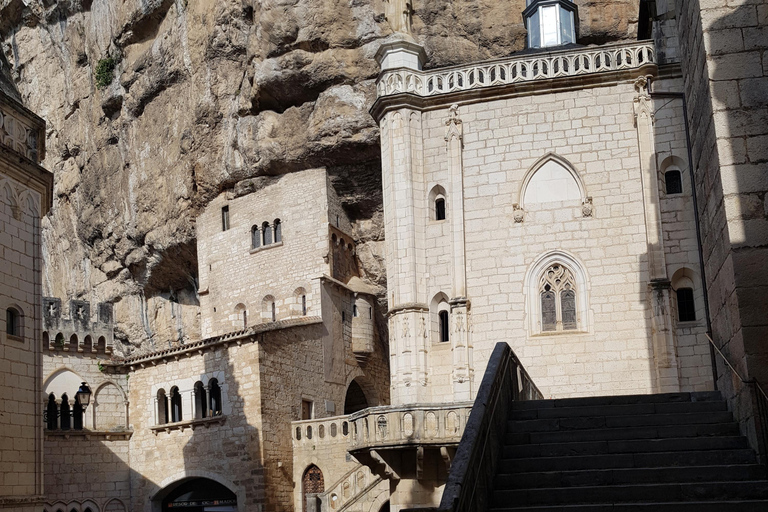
{"x":105,"y":72}
{"x":100,"y":366}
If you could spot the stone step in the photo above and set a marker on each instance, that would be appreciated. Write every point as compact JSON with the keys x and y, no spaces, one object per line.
{"x":701,"y":396}
{"x":627,"y":460}
{"x":699,"y":491}
{"x":693,"y":506}
{"x":705,"y":429}
{"x":630,"y":476}
{"x":631,"y":420}
{"x":619,"y":410}
{"x":624,"y":446}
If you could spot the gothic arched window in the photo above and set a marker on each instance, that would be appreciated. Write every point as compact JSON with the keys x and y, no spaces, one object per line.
{"x":557,"y":291}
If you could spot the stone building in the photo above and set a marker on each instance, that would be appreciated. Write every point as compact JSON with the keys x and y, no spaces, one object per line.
{"x":596,"y":207}
{"x":25,"y":196}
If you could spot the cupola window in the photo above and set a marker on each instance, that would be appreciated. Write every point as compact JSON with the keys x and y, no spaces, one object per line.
{"x":550,"y":22}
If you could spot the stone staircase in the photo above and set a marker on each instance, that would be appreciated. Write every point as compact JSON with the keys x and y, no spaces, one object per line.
{"x":680,"y":452}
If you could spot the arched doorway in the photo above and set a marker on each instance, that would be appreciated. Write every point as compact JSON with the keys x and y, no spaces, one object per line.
{"x":199,"y":495}
{"x":312,"y":484}
{"x":355,"y":399}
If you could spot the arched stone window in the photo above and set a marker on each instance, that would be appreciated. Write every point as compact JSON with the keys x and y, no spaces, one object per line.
{"x":685,"y":300}
{"x":673,"y":180}
{"x":65,"y":413}
{"x":255,"y":237}
{"x":268,"y":309}
{"x":162,"y":407}
{"x":552,"y":179}
{"x":278,"y":231}
{"x":242,"y":316}
{"x":176,"y":413}
{"x":440,"y":318}
{"x":52,"y":413}
{"x":215,"y":397}
{"x":201,"y":401}
{"x":13,"y":322}
{"x":312,"y":484}
{"x":557,"y":302}
{"x":266,"y":232}
{"x":437,"y":201}
{"x":299,"y":306}
{"x":77,"y":414}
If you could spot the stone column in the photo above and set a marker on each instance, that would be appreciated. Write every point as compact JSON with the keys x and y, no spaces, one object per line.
{"x":461,"y":344}
{"x":662,"y":331}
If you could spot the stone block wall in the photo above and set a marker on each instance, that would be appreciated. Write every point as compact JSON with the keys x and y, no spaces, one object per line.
{"x":20,"y":372}
{"x":723,"y":45}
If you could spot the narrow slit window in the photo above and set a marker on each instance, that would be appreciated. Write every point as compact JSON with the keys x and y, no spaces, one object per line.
{"x":215,"y":397}
{"x":354,"y":310}
{"x":568,"y":305}
{"x":274,"y":312}
{"x":12,"y":322}
{"x":686,"y":308}
{"x":266,"y":230}
{"x":304,"y":305}
{"x":440,"y":209}
{"x":444,"y":326}
{"x":674,"y":182}
{"x":278,"y":231}
{"x":176,"y":414}
{"x":224,"y":218}
{"x":255,"y":237}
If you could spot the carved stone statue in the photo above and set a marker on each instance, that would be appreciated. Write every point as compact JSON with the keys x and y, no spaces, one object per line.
{"x":399,"y":14}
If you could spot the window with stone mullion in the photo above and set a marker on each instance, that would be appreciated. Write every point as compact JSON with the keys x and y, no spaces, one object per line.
{"x":558,"y":300}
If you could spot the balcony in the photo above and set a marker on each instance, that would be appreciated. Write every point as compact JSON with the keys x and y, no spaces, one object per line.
{"x":517,"y":69}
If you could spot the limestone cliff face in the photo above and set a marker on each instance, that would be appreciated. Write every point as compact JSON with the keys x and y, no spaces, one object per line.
{"x":206,"y":95}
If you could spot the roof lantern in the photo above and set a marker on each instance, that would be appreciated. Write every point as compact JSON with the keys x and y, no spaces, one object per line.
{"x":550,"y":22}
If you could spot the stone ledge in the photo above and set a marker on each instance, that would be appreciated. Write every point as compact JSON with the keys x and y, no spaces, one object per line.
{"x":265,"y":247}
{"x":191,"y":424}
{"x":107,"y":435}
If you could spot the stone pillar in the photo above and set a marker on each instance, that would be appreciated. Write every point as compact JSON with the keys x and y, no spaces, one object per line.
{"x":662,"y":331}
{"x":461,"y":344}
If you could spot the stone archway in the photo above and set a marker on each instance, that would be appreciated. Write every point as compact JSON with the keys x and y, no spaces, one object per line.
{"x":197,"y":495}
{"x":355,"y":399}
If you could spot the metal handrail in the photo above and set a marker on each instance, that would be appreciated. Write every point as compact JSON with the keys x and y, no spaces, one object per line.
{"x":762,"y":403}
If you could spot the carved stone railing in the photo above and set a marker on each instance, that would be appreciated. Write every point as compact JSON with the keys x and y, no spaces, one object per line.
{"x":353,"y":486}
{"x":332,"y":430}
{"x":523,"y":68}
{"x":19,"y":133}
{"x":417,"y":424}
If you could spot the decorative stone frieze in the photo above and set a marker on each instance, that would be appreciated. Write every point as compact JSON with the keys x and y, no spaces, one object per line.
{"x":77,"y":331}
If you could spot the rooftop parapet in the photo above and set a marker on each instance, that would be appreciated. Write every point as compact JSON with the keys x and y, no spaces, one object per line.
{"x":21,"y":130}
{"x":77,"y":331}
{"x":525,"y":67}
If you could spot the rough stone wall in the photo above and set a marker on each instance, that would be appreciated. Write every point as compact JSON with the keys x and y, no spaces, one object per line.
{"x":724,"y":52}
{"x":204,"y":95}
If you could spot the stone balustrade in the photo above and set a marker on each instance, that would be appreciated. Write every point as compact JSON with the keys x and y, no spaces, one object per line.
{"x":350,"y":488}
{"x":418,"y":424}
{"x":332,"y":430}
{"x":514,"y":69}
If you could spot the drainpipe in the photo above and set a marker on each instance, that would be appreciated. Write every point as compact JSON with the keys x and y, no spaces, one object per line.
{"x":681,"y":97}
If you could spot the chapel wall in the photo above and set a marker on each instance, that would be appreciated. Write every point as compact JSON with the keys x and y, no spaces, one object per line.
{"x":233,"y":273}
{"x":594,"y":130}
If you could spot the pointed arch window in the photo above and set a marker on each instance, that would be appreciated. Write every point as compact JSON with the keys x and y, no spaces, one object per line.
{"x":444,"y":326}
{"x":440,"y":208}
{"x":557,"y":292}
